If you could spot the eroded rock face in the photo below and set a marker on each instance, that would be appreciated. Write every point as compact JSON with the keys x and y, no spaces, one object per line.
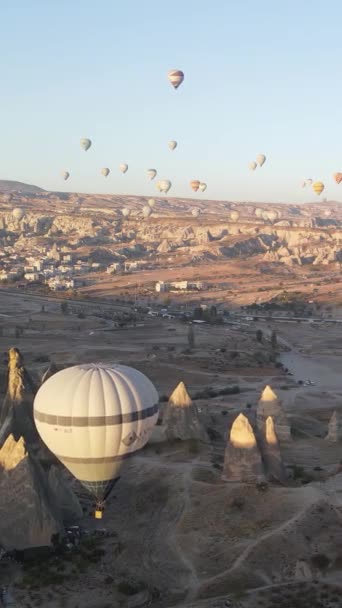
{"x":269,"y":405}
{"x":274,"y":466}
{"x":181,"y":419}
{"x":242,"y":458}
{"x":335,"y":428}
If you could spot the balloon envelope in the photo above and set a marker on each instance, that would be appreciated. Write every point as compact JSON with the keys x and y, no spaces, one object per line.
{"x":65,"y":175}
{"x":172,"y":144}
{"x":151,"y":173}
{"x":125,"y":212}
{"x":202,"y":187}
{"x":164,"y":185}
{"x":147,"y":211}
{"x":151,"y":202}
{"x":93,"y":416}
{"x":252,"y":165}
{"x":258,"y":212}
{"x":318,"y":187}
{"x":105,"y":171}
{"x":338,"y":177}
{"x":234,"y":216}
{"x":18,"y":213}
{"x":194,"y":185}
{"x":123,"y":167}
{"x":175,"y":77}
{"x":260,"y":159}
{"x":195,"y":212}
{"x":85,"y":143}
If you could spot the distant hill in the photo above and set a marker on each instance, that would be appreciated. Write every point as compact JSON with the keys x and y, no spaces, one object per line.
{"x":8,"y":186}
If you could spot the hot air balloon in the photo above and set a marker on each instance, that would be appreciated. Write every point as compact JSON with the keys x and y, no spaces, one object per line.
{"x":194,"y":185}
{"x":258,"y":212}
{"x":309,"y":181}
{"x":151,"y":173}
{"x":18,"y":213}
{"x":272,"y":216}
{"x":85,"y":143}
{"x":202,"y":187}
{"x":252,"y":165}
{"x":260,"y":159}
{"x":318,"y":187}
{"x":92,"y":417}
{"x":338,"y":177}
{"x":151,"y":202}
{"x":105,"y":171}
{"x":195,"y":212}
{"x":175,"y":77}
{"x":147,"y":211}
{"x":172,"y":144}
{"x":123,"y":167}
{"x":265,"y":216}
{"x":125,"y":212}
{"x":65,"y":175}
{"x":164,"y":185}
{"x":234,"y":216}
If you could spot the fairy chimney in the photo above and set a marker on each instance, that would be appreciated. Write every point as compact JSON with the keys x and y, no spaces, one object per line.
{"x":335,"y":428}
{"x":242,"y":458}
{"x":271,"y":453}
{"x":181,"y":418}
{"x":269,"y":405}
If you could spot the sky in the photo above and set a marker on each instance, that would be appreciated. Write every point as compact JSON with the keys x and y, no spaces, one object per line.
{"x":260,"y":77}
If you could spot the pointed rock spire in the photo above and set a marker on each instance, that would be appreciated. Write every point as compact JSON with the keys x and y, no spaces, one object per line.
{"x":181,"y":419}
{"x":335,"y":428}
{"x":271,"y":453}
{"x":269,"y":405}
{"x":242,"y":458}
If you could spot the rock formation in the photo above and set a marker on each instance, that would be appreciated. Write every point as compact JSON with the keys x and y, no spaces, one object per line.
{"x":335,"y":428}
{"x":181,"y":418}
{"x":269,"y":405}
{"x":271,"y":453}
{"x":242,"y":458}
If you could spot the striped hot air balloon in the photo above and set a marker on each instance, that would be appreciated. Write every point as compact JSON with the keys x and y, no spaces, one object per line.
{"x":318,"y":187}
{"x":175,"y":77}
{"x":194,"y":185}
{"x":94,"y":416}
{"x":338,"y":177}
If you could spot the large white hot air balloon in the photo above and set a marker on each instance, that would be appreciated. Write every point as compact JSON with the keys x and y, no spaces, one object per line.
{"x":125,"y":212}
{"x":258,"y":212}
{"x":85,"y":143}
{"x":260,"y":159}
{"x":151,"y":173}
{"x":123,"y":167}
{"x":18,"y":213}
{"x":172,"y":144}
{"x":94,"y":416}
{"x":195,"y":212}
{"x":164,"y":185}
{"x":65,"y":175}
{"x":272,"y":216}
{"x":147,"y":211}
{"x":105,"y":171}
{"x":175,"y":77}
{"x":151,"y":202}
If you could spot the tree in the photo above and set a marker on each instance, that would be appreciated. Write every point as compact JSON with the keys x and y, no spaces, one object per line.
{"x":191,"y":336}
{"x":259,"y":335}
{"x":64,"y":308}
{"x":274,"y":342}
{"x":198,"y":313}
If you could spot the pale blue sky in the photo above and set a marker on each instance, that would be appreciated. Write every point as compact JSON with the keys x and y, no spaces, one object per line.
{"x":260,"y":76}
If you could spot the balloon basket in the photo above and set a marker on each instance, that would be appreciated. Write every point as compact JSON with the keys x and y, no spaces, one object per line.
{"x":98,"y":514}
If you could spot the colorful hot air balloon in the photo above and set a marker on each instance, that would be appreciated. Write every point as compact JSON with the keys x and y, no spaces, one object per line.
{"x":234,"y":216}
{"x":260,"y":159}
{"x":65,"y":175}
{"x":338,"y":177}
{"x":123,"y":167}
{"x":147,"y":211}
{"x":125,"y":212}
{"x":92,"y":417}
{"x":85,"y":143}
{"x":151,"y":202}
{"x":172,"y":144}
{"x":194,"y":185}
{"x":318,"y":187}
{"x":175,"y":77}
{"x":151,"y":173}
{"x":18,"y":213}
{"x":252,"y":165}
{"x":105,"y":171}
{"x":202,"y":187}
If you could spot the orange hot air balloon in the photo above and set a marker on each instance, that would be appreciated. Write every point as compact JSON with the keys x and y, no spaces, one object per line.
{"x":195,"y":184}
{"x":318,"y":187}
{"x":176,"y":78}
{"x":337,"y":177}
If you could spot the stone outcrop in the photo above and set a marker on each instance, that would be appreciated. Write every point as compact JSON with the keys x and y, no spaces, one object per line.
{"x":335,"y":428}
{"x":181,"y":418}
{"x":275,"y":469}
{"x":242,"y":458}
{"x":269,"y":405}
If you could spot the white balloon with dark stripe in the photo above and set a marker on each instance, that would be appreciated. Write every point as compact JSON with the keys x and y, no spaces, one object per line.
{"x":92,"y":417}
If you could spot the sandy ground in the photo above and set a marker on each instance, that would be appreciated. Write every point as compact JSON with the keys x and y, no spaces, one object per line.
{"x":179,"y":535}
